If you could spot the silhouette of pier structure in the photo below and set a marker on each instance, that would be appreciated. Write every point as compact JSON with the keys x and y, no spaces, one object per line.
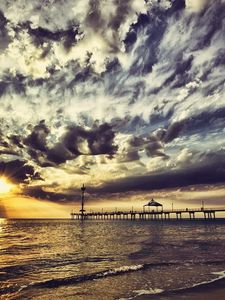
{"x":156,"y":213}
{"x":82,"y":210}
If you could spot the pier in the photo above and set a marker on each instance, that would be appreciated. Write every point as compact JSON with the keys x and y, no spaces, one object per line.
{"x":178,"y":214}
{"x":156,"y":214}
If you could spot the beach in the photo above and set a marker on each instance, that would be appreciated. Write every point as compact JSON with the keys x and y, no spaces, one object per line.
{"x":94,"y":260}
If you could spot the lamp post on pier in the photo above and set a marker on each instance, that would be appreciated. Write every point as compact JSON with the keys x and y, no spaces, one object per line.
{"x":82,"y":210}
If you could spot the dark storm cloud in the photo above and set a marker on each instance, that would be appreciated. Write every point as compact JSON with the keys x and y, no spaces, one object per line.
{"x":41,"y":35}
{"x":37,"y":138}
{"x":181,"y":76}
{"x":202,"y":123}
{"x":8,"y":152}
{"x":40,"y":193}
{"x":150,"y":144}
{"x":17,"y":83}
{"x":210,"y":171}
{"x":16,"y":141}
{"x":154,"y":147}
{"x":3,"y":142}
{"x":177,"y":5}
{"x":80,"y":141}
{"x":75,"y":142}
{"x":4,"y":38}
{"x":129,"y":156}
{"x":100,"y":139}
{"x":3,"y":86}
{"x":7,"y":146}
{"x":173,"y":131}
{"x":18,"y":171}
{"x":58,"y":155}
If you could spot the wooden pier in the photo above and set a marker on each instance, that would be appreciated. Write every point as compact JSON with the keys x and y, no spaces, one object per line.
{"x":155,"y":212}
{"x":154,"y":215}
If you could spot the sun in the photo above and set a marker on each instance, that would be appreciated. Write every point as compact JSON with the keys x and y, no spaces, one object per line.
{"x":5,"y":186}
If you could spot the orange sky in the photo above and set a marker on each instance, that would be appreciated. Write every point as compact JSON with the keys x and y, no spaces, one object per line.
{"x":14,"y":205}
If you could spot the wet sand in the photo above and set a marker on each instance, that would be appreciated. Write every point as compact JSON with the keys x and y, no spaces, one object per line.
{"x":211,"y":291}
{"x":209,"y":295}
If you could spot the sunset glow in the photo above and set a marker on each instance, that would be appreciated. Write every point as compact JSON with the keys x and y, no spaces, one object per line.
{"x":5,"y":186}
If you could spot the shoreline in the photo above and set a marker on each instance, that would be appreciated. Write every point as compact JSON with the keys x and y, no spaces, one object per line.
{"x":204,"y":291}
{"x":203,"y":295}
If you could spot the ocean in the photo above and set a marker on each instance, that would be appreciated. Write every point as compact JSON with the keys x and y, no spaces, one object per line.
{"x":95,"y":260}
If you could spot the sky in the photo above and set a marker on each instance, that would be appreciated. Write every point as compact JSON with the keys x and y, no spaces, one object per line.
{"x":126,"y":97}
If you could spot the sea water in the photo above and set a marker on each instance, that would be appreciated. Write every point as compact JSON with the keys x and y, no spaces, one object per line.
{"x":68,"y":259}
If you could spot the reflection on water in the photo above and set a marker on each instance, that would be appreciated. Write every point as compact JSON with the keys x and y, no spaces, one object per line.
{"x":2,"y":223}
{"x":43,"y":259}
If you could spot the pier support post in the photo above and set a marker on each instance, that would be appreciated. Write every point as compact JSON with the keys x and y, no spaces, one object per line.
{"x":192,"y":215}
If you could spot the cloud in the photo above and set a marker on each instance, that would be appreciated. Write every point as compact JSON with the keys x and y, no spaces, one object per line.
{"x":38,"y":192}
{"x":19,"y":171}
{"x":79,"y":141}
{"x":208,"y":170}
{"x":37,"y":138}
{"x":197,"y":6}
{"x":203,"y":123}
{"x":134,"y":147}
{"x":7,"y":145}
{"x":45,"y":149}
{"x":92,"y":32}
{"x":155,"y":147}
{"x":74,"y":142}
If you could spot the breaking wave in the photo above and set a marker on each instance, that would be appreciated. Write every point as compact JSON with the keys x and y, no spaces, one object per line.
{"x":53,"y":283}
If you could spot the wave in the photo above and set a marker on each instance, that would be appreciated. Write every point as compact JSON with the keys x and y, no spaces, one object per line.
{"x":53,"y":283}
{"x":87,"y":277}
{"x":93,"y":276}
{"x":148,"y":292}
{"x":57,"y":282}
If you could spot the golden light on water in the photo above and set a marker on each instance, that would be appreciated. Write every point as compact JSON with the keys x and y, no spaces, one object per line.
{"x":5,"y":185}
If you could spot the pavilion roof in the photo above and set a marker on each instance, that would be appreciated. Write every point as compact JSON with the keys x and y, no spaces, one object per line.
{"x":153,"y":203}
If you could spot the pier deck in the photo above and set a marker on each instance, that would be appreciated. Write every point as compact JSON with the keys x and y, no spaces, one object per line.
{"x":206,"y":213}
